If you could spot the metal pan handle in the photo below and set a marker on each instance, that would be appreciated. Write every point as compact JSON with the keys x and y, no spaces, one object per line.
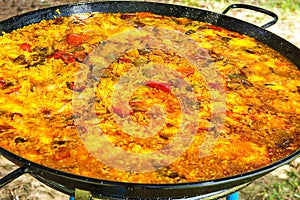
{"x":12,"y":176}
{"x":258,"y":9}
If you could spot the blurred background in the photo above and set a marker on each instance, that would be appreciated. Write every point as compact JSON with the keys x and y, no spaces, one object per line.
{"x":281,"y":184}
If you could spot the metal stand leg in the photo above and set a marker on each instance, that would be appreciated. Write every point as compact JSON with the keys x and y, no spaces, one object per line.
{"x":12,"y":176}
{"x":234,"y":196}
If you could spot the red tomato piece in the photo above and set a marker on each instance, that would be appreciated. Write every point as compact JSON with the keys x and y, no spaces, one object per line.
{"x":26,"y":47}
{"x":74,"y":39}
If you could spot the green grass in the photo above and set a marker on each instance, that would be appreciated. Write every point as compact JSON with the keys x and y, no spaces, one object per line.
{"x":284,"y":5}
{"x":288,"y":189}
{"x":271,"y":187}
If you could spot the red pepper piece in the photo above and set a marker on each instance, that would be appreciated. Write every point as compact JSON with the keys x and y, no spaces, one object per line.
{"x":57,"y":55}
{"x":121,"y":112}
{"x":13,"y":90}
{"x":68,"y":58}
{"x":160,"y":86}
{"x":26,"y":47}
{"x":74,"y":39}
{"x":124,"y":60}
{"x":215,"y":28}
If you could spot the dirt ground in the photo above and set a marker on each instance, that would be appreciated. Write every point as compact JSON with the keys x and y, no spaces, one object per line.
{"x":27,"y":188}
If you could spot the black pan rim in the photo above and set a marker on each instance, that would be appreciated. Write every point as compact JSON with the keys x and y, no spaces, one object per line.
{"x":263,"y":170}
{"x":263,"y":35}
